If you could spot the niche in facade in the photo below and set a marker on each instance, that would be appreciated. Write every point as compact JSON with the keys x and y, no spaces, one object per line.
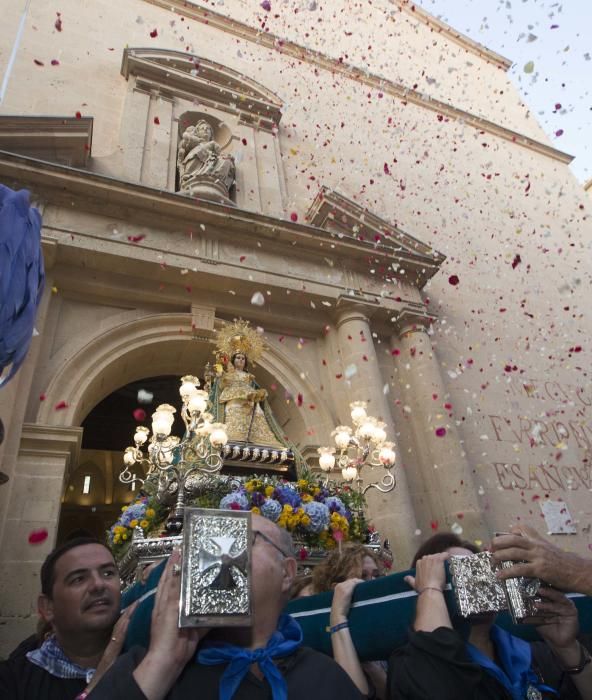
{"x":225,"y":152}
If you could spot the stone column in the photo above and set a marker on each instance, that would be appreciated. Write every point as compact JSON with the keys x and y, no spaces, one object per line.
{"x":392,"y":513}
{"x":439,"y":454}
{"x":45,"y":456}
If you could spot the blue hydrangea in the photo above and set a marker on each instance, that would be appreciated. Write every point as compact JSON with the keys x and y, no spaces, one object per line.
{"x":134,"y":512}
{"x":271,"y":510}
{"x":319,"y":516}
{"x":237,"y":497}
{"x":336,"y":505}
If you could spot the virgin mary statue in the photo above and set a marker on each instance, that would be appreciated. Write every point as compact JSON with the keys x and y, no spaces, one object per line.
{"x":236,"y":399}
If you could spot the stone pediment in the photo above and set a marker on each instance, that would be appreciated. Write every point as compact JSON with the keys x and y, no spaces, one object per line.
{"x":62,"y":140}
{"x":177,"y":74}
{"x":334,"y":212}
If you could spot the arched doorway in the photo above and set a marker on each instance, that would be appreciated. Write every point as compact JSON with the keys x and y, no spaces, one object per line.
{"x":101,"y":384}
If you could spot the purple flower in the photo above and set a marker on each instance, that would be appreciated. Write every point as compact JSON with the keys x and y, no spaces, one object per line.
{"x":286,"y":495}
{"x":336,"y":505}
{"x":257,"y":499}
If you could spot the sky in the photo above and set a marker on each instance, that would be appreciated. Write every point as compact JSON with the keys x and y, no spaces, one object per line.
{"x":557,"y":38}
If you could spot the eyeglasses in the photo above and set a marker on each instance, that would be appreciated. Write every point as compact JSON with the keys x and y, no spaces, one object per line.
{"x":267,"y":539}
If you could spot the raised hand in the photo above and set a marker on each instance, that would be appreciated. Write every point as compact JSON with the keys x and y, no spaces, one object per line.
{"x":342,"y":596}
{"x":171,"y":647}
{"x":538,"y":558}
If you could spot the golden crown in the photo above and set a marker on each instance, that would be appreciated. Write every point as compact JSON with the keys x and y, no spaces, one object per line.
{"x":240,"y":337}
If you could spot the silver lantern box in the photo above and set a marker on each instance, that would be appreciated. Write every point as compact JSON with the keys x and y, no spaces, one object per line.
{"x":216,"y":569}
{"x":477,"y":590}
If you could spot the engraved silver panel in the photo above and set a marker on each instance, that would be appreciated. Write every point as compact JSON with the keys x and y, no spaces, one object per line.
{"x":216,"y":573}
{"x":477,"y":590}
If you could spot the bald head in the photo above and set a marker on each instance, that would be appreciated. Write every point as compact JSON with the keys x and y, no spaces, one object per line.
{"x":274,"y":567}
{"x":280,"y":536}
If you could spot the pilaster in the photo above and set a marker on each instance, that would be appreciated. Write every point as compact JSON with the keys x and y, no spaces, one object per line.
{"x":438,"y":451}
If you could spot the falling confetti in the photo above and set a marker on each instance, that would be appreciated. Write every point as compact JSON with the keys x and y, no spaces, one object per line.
{"x":350,"y":371}
{"x":440,"y":432}
{"x":38,"y":536}
{"x":529,"y":67}
{"x":60,"y":406}
{"x":139,"y":415}
{"x":453,"y":280}
{"x":145,"y":396}
{"x":258,"y":299}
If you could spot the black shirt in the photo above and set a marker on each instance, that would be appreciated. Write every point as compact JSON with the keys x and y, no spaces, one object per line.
{"x":22,"y":680}
{"x":436,"y":665}
{"x":309,"y":675}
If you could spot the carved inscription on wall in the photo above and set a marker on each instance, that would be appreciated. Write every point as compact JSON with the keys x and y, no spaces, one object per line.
{"x":552,"y":419}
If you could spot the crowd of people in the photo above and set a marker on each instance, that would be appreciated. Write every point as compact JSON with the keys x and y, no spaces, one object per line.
{"x":78,"y":651}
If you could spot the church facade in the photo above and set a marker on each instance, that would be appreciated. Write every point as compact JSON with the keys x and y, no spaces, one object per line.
{"x":358,"y":181}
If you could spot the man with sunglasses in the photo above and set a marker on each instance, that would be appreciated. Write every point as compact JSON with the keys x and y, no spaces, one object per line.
{"x":263,"y":661}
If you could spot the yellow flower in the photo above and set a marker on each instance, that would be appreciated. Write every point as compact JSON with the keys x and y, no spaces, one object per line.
{"x":218,"y":368}
{"x":133,"y":523}
{"x":124,"y":509}
{"x":249,"y":486}
{"x":302,"y":483}
{"x":288,"y":509}
{"x":316,"y":490}
{"x":306,"y":497}
{"x":124,"y":536}
{"x":256,"y":510}
{"x":269,"y":490}
{"x":305,"y":520}
{"x":116,"y":539}
{"x":144,"y":524}
{"x":150,"y":513}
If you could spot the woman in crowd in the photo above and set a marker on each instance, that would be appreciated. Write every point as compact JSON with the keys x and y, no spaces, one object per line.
{"x":456,"y":658}
{"x":341,"y":572}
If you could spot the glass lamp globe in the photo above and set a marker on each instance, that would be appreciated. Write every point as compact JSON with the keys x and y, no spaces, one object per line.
{"x":342,"y":435}
{"x":349,"y":473}
{"x":218,"y":436}
{"x":198,"y":401}
{"x":326,"y":458}
{"x":162,"y":420}
{"x":188,"y":387}
{"x":358,"y":411}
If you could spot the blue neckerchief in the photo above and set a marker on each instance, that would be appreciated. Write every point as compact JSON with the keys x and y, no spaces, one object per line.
{"x":284,"y":641}
{"x":50,"y":657}
{"x":515,"y":655}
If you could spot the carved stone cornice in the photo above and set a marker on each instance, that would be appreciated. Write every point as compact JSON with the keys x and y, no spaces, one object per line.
{"x":44,"y":440}
{"x":417,"y":261}
{"x":177,"y":74}
{"x":413,"y":318}
{"x":342,"y":67}
{"x":417,"y":12}
{"x":89,"y":191}
{"x":64,"y":140}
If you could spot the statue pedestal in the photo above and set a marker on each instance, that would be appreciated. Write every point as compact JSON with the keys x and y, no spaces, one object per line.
{"x":208,"y":187}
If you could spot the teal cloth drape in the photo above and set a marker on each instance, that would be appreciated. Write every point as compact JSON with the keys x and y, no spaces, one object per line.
{"x":381,"y":612}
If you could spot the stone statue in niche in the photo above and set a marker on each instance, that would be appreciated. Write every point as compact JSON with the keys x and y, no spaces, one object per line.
{"x":204,"y":171}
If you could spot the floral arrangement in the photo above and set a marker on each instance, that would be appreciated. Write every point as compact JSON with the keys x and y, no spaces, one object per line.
{"x":317,"y":516}
{"x":140,"y":513}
